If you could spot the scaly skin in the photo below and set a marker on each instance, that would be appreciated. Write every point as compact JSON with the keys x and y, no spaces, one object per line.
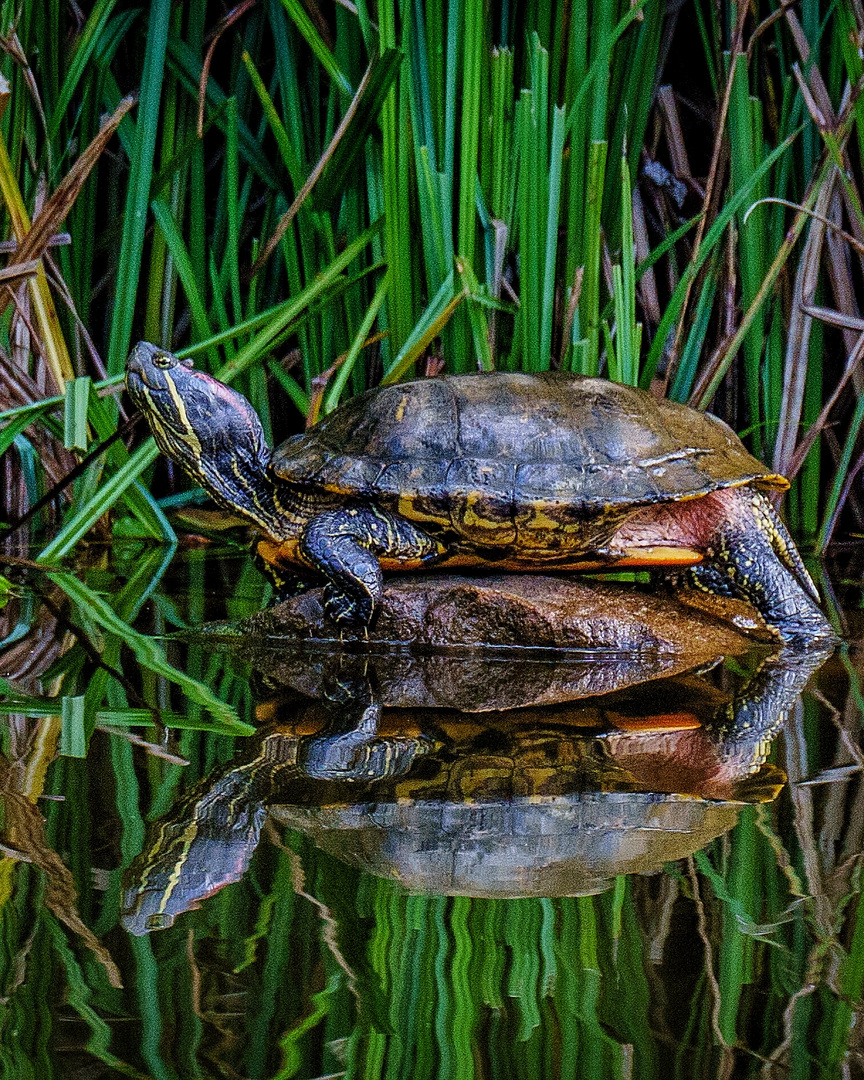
{"x":215,"y":435}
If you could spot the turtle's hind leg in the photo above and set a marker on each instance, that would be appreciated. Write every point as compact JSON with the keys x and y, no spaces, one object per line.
{"x":751,"y":555}
{"x":772,"y":526}
{"x":344,"y":545}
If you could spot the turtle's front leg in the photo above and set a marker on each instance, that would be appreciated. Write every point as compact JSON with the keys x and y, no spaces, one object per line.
{"x":344,"y":546}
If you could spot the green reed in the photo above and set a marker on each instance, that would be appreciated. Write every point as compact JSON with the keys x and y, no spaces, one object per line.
{"x":490,"y":154}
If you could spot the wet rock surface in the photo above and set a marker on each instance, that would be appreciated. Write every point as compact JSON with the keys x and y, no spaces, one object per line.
{"x":488,"y":644}
{"x":533,"y":611}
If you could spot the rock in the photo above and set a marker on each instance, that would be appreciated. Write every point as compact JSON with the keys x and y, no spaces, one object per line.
{"x":488,"y":644}
{"x":527,"y":610}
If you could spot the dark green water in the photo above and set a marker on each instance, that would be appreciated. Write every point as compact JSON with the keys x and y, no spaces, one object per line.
{"x":716,"y":933}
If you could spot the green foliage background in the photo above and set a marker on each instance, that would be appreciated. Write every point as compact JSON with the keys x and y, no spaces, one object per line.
{"x":357,"y":195}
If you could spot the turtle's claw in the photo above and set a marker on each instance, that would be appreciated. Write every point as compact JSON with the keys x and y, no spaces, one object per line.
{"x":771,"y":525}
{"x":346,"y":610}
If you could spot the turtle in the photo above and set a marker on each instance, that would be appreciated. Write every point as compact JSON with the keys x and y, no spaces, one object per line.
{"x":497,"y":471}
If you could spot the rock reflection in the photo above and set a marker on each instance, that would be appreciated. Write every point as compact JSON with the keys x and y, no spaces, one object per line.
{"x":544,"y":800}
{"x":433,"y":639}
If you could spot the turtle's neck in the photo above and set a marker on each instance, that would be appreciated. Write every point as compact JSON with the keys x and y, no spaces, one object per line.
{"x":243,"y":483}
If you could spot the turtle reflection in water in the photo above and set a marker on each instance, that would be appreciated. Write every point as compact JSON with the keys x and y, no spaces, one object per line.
{"x":538,"y":801}
{"x":501,"y":471}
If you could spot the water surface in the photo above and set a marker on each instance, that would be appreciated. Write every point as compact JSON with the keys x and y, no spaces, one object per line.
{"x":604,"y":886}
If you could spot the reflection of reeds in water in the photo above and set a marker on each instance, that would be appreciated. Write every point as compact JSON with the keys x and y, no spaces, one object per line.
{"x":752,"y":945}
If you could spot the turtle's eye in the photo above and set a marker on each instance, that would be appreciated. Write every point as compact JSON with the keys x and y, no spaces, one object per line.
{"x":162,"y":361}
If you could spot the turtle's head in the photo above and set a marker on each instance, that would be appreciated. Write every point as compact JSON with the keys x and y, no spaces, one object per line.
{"x":207,"y":428}
{"x":150,"y":368}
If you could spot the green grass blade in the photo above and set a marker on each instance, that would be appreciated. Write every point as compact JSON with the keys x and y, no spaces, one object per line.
{"x":187,"y":67}
{"x":185,"y":271}
{"x":394,"y":192}
{"x":292,"y":388}
{"x":73,"y":742}
{"x":556,"y":160}
{"x":122,"y":718}
{"x":147,"y":652}
{"x":328,"y":61}
{"x":600,"y":62}
{"x":88,"y":40}
{"x":840,"y":477}
{"x":259,"y":345}
{"x":85,"y":517}
{"x":476,"y":316}
{"x":342,"y":376}
{"x":711,"y":238}
{"x":472,"y":45}
{"x":589,"y":302}
{"x":287,"y":150}
{"x":338,"y":171}
{"x":138,"y":191}
{"x":430,"y":324}
{"x":75,"y":413}
{"x":18,"y":424}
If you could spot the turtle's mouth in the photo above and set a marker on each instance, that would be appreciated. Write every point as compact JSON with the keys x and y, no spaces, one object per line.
{"x":135,"y":383}
{"x":147,"y":389}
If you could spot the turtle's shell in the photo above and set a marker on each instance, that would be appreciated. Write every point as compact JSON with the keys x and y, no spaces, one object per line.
{"x":495,"y":444}
{"x":565,"y":845}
